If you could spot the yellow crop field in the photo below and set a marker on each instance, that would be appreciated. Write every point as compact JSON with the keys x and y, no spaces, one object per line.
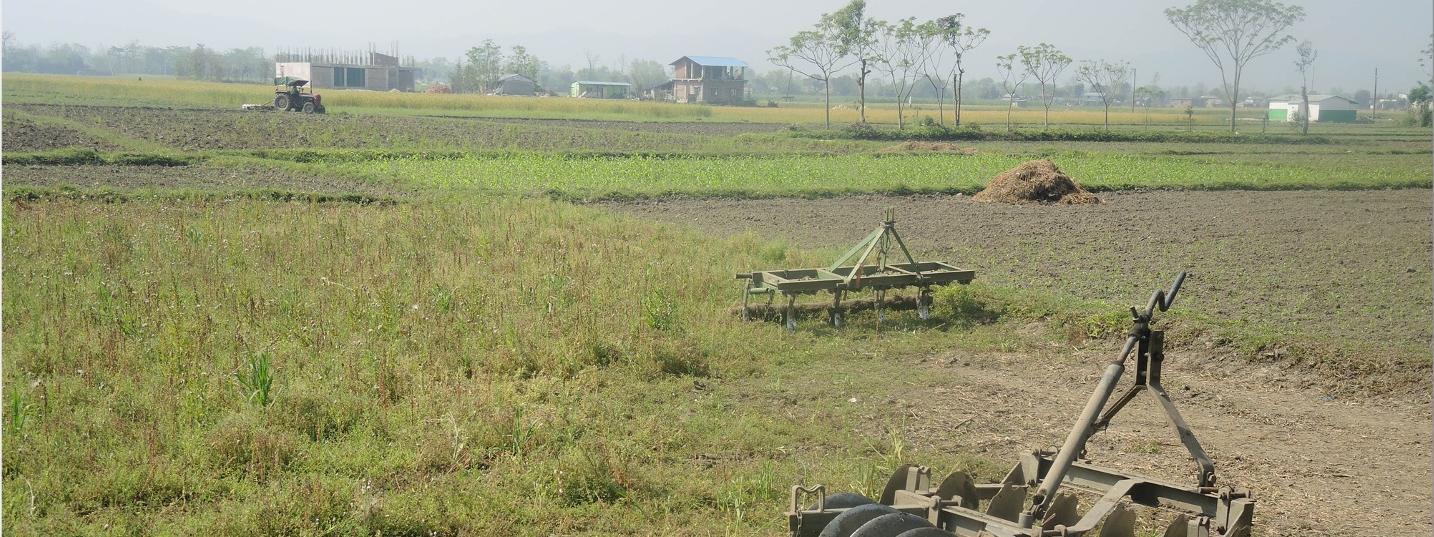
{"x":23,"y":88}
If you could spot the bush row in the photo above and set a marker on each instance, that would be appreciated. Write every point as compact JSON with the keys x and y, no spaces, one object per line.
{"x":975,"y":133}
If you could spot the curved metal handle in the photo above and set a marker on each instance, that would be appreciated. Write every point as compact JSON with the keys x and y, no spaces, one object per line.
{"x":1163,"y":299}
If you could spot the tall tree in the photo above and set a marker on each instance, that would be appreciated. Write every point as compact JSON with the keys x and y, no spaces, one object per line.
{"x":644,"y":74}
{"x":857,"y":36}
{"x":1305,"y":62}
{"x":961,"y":38}
{"x":521,"y":62}
{"x":935,"y":65}
{"x":900,"y":51}
{"x":485,"y":65}
{"x":1233,"y":32}
{"x":1044,"y":62}
{"x":1104,"y":77}
{"x":817,"y":54}
{"x":1011,"y":80}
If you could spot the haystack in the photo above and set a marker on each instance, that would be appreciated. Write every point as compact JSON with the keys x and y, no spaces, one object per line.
{"x":1038,"y":181}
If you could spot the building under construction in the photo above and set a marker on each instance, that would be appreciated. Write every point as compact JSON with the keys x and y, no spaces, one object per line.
{"x":369,"y":70}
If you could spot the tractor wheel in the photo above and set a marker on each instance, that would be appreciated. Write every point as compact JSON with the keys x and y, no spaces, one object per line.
{"x":321,"y":110}
{"x":281,"y":102}
{"x":309,"y":107}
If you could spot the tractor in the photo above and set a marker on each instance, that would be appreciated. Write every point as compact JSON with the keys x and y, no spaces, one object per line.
{"x":293,"y":94}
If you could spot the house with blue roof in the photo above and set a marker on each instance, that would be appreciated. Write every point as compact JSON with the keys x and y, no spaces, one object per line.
{"x":705,"y":79}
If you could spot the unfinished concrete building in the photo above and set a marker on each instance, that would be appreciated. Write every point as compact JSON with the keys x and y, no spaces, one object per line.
{"x":366,"y":70}
{"x":705,"y":79}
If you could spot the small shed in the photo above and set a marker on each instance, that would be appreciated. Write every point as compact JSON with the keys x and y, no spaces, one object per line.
{"x":1325,"y":108}
{"x":591,"y":89}
{"x":516,"y":84}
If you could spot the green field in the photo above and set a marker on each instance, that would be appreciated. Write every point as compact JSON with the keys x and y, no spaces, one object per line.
{"x":383,"y":322}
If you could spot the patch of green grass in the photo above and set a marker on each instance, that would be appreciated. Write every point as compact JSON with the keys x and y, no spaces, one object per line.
{"x":496,"y":365}
{"x":581,"y":177}
{"x":82,"y":156}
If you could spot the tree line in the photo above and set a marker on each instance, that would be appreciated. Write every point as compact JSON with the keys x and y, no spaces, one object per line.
{"x":936,"y":53}
{"x":196,"y":62}
{"x":481,"y":67}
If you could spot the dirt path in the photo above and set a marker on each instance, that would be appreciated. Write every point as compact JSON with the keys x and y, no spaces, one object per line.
{"x":1316,"y":465}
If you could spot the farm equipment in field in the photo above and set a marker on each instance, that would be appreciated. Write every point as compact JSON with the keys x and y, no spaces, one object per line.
{"x":876,"y":269}
{"x":1029,"y":502}
{"x":292,"y":94}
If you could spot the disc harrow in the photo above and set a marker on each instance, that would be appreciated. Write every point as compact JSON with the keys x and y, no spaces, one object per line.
{"x":877,"y":269}
{"x":1040,"y":496}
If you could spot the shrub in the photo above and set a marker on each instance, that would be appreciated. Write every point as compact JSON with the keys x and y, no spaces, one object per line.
{"x":964,"y":308}
{"x":585,"y":477}
{"x":320,"y":417}
{"x":243,"y":442}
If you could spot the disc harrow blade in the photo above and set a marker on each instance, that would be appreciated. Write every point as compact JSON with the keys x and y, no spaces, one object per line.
{"x":1119,"y":523}
{"x":891,"y":525}
{"x":844,"y":500}
{"x":959,"y":484}
{"x":896,"y":482}
{"x":1180,"y":527}
{"x":853,"y":519}
{"x":1063,"y":512}
{"x":1007,"y":503}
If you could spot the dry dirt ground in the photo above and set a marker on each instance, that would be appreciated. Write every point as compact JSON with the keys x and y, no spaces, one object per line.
{"x":1316,"y":465}
{"x":1339,"y":265}
{"x":1331,"y":264}
{"x":24,"y":135}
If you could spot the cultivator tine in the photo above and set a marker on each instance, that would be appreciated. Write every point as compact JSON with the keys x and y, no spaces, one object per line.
{"x":1120,"y":523}
{"x":1063,"y":512}
{"x":923,"y":304}
{"x":1007,"y":503}
{"x":1180,"y":527}
{"x":791,"y":315}
{"x":746,"y":300}
{"x":959,"y":485}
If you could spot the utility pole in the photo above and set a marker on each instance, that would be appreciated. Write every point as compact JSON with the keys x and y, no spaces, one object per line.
{"x":1134,"y":78}
{"x":1374,"y":105}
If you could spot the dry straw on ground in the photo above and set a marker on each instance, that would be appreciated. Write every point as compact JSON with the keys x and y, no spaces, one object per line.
{"x":1037,"y":181}
{"x":928,"y":147}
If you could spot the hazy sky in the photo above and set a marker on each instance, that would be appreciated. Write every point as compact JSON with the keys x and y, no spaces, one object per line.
{"x":1353,"y":37}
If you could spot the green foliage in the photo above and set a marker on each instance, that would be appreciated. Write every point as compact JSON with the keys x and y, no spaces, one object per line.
{"x":963,"y":306}
{"x":930,"y":131}
{"x":256,"y":379}
{"x":614,"y":177}
{"x":659,"y":311}
{"x":19,"y":411}
{"x":85,"y":156}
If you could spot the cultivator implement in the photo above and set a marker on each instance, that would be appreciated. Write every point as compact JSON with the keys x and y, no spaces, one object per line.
{"x":1040,"y":496}
{"x":876,"y":269}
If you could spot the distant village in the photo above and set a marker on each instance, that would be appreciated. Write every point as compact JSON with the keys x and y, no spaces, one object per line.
{"x":696,"y":79}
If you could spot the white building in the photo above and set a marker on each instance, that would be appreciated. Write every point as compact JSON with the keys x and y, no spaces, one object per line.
{"x":1327,"y":108}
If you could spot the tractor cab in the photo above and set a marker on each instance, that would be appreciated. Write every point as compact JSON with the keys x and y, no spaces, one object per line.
{"x":295,"y":94}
